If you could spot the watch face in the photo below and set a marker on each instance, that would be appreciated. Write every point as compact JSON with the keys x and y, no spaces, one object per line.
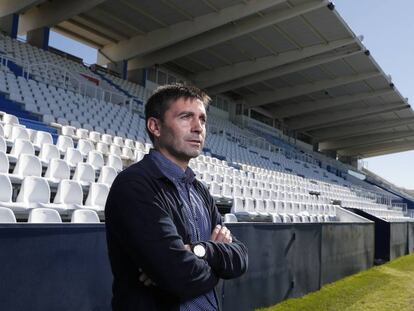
{"x":199,"y":250}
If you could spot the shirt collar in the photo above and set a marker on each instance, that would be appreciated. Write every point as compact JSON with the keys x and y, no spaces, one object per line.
{"x":171,"y":170}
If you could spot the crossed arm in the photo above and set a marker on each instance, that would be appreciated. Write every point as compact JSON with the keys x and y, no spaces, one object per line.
{"x":141,"y":225}
{"x":219,"y":234}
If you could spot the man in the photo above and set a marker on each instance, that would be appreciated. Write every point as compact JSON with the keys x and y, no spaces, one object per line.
{"x":166,"y":244}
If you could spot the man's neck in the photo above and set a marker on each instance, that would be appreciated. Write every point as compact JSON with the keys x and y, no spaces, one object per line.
{"x":183,"y":164}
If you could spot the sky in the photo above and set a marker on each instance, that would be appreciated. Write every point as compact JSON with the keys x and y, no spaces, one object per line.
{"x":388,"y":30}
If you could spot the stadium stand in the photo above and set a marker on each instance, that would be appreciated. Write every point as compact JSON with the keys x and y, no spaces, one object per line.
{"x":95,"y":139}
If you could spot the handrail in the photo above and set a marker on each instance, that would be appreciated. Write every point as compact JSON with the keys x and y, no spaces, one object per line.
{"x":79,"y":85}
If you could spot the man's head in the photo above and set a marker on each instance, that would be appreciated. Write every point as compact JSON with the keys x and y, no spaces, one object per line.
{"x":175,"y":116}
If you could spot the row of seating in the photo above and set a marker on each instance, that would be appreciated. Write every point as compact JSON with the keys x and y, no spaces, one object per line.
{"x":47,"y":215}
{"x":35,"y":192}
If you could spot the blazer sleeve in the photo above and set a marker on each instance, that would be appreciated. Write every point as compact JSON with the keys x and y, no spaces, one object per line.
{"x":138,"y":219}
{"x":228,"y":260}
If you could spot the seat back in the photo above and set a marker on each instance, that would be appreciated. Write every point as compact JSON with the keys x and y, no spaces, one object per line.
{"x":44,"y":215}
{"x":68,"y":130}
{"x":97,"y":195}
{"x":69,"y":192}
{"x":22,"y":146}
{"x":95,"y":158}
{"x":73,"y":156}
{"x":58,"y":169}
{"x":34,"y":190}
{"x":48,"y":152}
{"x":3,"y":146}
{"x":4,"y":163}
{"x":115,"y":162}
{"x":84,"y":216}
{"x":107,"y":175}
{"x":43,"y":138}
{"x":6,"y":189}
{"x":6,"y":215}
{"x":64,"y":142}
{"x":84,"y":172}
{"x":28,"y":165}
{"x":84,"y":146}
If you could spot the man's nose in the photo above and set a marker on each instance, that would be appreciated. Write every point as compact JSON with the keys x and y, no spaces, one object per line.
{"x":197,"y":125}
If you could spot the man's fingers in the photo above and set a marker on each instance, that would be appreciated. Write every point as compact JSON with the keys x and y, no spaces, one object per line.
{"x":143,"y":277}
{"x":222,"y":234}
{"x":148,"y":282}
{"x":215,"y":233}
{"x":227,"y":238}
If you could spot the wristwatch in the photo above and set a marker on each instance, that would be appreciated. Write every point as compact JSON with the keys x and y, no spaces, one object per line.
{"x":199,"y":250}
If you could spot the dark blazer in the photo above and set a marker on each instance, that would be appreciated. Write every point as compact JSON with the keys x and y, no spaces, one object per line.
{"x":146,"y":228}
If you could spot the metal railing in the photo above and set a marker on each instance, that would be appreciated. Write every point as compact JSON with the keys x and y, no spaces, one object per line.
{"x":72,"y":81}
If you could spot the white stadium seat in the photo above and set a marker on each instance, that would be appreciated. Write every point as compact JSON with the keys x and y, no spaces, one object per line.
{"x":6,"y":215}
{"x":44,"y":215}
{"x":97,"y":197}
{"x":84,"y":216}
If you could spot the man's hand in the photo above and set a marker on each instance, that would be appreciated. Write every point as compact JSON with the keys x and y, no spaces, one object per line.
{"x":221,"y":234}
{"x":145,"y":279}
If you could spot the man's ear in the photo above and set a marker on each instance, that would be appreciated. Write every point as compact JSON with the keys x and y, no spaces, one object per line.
{"x":154,"y":127}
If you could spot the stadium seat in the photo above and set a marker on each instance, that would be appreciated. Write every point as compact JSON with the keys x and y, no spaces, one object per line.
{"x":229,"y":218}
{"x":63,"y":143}
{"x":95,"y":136}
{"x":84,"y":216}
{"x":102,"y":148}
{"x":68,"y":130}
{"x":44,"y":215}
{"x":69,"y":196}
{"x":3,"y":145}
{"x":4,"y":163}
{"x":27,"y":165}
{"x":97,"y":197}
{"x":48,"y":152}
{"x":107,"y":139}
{"x":107,"y":175}
{"x":95,"y":159}
{"x":42,"y":138}
{"x":73,"y":157}
{"x":10,"y":119}
{"x":20,"y":146}
{"x":6,"y":215}
{"x":57,"y":170}
{"x":33,"y":192}
{"x":115,"y":162}
{"x":82,"y":133}
{"x":85,"y":146}
{"x":84,"y":174}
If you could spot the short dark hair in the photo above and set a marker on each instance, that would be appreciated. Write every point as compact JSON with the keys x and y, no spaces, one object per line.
{"x":160,"y":101}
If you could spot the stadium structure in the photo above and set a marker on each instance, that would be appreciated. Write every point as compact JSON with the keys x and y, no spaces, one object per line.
{"x":297,"y":102}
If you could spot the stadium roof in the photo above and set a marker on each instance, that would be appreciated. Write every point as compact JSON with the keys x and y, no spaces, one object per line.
{"x":293,"y":60}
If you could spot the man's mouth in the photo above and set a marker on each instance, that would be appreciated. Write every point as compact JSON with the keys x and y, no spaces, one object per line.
{"x":194,"y":141}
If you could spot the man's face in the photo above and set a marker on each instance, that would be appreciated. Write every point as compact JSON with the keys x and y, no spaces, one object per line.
{"x":182,"y":130}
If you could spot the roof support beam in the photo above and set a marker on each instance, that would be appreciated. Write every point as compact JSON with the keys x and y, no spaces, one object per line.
{"x":221,"y":34}
{"x":355,"y":129}
{"x":280,"y":71}
{"x":52,"y":13}
{"x":286,"y":111}
{"x":364,"y":140}
{"x":8,"y":7}
{"x":295,"y":91}
{"x":228,"y":73}
{"x":378,"y":149}
{"x":160,"y":38}
{"x":342,"y":116}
